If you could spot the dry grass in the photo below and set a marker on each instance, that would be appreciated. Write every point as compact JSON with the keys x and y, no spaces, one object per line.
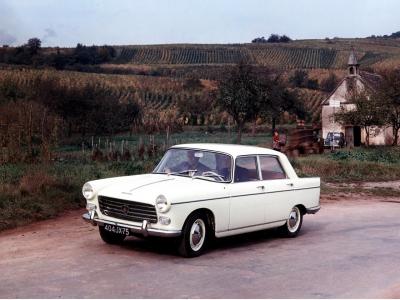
{"x":36,"y":182}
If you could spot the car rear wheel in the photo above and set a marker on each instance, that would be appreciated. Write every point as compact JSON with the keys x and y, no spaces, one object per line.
{"x":195,"y":236}
{"x":111,"y":237}
{"x":293,"y":223}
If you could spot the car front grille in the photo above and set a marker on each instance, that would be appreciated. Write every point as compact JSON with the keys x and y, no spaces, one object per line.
{"x":127,"y":210}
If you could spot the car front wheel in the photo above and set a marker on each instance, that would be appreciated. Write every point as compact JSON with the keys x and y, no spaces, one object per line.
{"x":195,"y":236}
{"x":293,"y":223}
{"x":111,"y":237}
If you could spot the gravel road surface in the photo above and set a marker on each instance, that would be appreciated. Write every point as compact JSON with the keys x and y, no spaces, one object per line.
{"x":350,"y":249}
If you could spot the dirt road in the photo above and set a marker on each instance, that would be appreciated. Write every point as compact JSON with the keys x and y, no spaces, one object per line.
{"x":351,"y":248}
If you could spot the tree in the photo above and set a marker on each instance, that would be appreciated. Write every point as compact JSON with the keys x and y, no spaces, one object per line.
{"x":312,"y":84}
{"x":238,"y":94}
{"x":329,"y":83}
{"x":388,"y":94}
{"x":246,"y":95}
{"x":395,"y":35}
{"x":34,"y":45}
{"x":259,"y":40}
{"x":366,"y":112}
{"x":299,"y":78}
{"x":274,"y":38}
{"x":276,"y":99}
{"x":285,"y":39}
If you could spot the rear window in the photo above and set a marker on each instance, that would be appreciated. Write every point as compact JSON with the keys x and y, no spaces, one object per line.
{"x":271,"y":168}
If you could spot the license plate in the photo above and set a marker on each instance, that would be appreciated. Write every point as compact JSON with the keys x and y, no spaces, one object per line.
{"x":116,"y":229}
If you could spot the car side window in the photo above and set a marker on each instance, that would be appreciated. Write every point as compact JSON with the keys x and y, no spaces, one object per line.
{"x":271,"y":168}
{"x":246,"y":169}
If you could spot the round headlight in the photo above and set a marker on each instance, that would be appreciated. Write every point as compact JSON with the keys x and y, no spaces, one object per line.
{"x":88,"y":191}
{"x":162,"y":204}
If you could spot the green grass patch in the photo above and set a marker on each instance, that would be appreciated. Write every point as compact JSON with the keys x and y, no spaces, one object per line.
{"x":378,"y":164}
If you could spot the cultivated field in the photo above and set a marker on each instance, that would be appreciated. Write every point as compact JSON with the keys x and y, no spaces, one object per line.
{"x":312,"y":54}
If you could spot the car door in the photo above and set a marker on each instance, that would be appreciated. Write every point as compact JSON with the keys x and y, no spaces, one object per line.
{"x":246,"y":203}
{"x":278,"y":189}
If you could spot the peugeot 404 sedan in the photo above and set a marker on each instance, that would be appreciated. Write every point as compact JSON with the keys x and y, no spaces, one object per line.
{"x":198,"y":192}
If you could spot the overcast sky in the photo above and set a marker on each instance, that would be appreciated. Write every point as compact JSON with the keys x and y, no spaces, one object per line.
{"x":118,"y":22}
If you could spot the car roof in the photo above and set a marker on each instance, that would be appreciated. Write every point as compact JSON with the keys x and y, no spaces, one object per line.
{"x":232,"y":149}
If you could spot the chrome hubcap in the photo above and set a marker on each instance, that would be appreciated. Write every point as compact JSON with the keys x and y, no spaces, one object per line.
{"x":197,"y":234}
{"x":294,"y":219}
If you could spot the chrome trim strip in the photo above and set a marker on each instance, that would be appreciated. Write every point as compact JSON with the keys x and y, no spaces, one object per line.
{"x":237,"y":228}
{"x":218,"y":198}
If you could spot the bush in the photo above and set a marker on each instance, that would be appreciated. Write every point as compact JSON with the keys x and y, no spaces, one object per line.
{"x":35,"y":182}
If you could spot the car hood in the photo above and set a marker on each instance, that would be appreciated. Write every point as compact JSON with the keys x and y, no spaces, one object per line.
{"x":146,"y":188}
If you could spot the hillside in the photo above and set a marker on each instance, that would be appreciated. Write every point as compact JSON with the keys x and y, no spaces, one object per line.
{"x":156,"y":75}
{"x":309,"y":54}
{"x":151,"y":92}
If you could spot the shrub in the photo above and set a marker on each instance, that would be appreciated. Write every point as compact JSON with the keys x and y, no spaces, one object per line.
{"x":36,"y":182}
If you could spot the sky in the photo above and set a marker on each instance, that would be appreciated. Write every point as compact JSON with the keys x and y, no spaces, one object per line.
{"x":122,"y":22}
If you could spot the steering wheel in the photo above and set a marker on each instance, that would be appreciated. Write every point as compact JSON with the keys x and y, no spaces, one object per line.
{"x":214,"y":174}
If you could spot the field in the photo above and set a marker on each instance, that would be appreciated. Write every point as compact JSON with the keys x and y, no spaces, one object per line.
{"x":152,"y":93}
{"x":308,"y":54}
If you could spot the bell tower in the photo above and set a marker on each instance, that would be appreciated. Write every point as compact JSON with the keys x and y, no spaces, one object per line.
{"x":352,"y":64}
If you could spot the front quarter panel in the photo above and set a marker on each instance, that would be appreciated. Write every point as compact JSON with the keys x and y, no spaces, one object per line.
{"x":189,"y":195}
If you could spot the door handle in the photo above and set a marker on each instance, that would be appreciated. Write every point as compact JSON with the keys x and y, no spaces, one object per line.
{"x":261,"y":187}
{"x":290,"y":184}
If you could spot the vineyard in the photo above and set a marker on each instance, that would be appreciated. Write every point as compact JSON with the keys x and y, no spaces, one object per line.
{"x":181,"y":55}
{"x":307,"y":54}
{"x":312,"y":100}
{"x":156,"y":93}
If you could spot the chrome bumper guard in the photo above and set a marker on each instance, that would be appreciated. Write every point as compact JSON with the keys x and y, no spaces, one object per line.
{"x":143,"y":229}
{"x":313,"y":210}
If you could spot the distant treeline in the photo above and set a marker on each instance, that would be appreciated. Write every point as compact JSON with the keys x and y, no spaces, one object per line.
{"x":394,"y":35}
{"x":32,"y":53}
{"x":273,"y":38}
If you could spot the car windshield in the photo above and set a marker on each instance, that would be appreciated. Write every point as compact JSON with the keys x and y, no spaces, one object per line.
{"x":196,"y":163}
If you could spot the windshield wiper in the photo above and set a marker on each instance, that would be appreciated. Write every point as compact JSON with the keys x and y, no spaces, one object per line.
{"x":182,"y":172}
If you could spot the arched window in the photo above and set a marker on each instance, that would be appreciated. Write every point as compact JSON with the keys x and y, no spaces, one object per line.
{"x":351,"y":70}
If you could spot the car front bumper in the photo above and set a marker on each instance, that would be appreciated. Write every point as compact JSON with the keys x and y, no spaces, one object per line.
{"x":143,"y":229}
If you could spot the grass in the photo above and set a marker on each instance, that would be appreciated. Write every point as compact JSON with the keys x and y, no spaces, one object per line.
{"x":377,"y":191}
{"x":374,"y":164}
{"x":36,"y":192}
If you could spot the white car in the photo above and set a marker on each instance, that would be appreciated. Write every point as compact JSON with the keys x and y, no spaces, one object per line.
{"x":201,"y":191}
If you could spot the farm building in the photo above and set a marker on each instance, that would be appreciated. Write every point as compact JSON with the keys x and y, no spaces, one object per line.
{"x":355,"y":80}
